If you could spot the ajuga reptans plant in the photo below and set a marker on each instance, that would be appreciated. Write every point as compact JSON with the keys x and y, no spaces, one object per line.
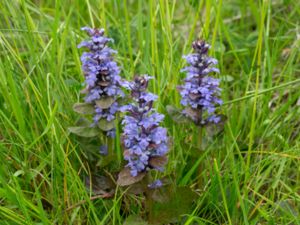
{"x":101,"y":76}
{"x":102,"y":81}
{"x":200,"y":92}
{"x":145,"y":142}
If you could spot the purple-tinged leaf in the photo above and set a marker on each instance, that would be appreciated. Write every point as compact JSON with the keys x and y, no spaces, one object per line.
{"x":158,"y":161}
{"x":125,"y":178}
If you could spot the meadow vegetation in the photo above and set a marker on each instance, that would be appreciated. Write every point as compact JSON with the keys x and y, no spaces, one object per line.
{"x":246,"y":172}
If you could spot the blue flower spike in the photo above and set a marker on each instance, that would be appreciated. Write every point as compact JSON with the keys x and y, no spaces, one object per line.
{"x":200,"y":92}
{"x":144,"y":140}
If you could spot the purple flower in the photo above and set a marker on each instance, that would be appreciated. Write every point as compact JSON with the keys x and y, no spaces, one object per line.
{"x":111,"y":133}
{"x":101,"y":74}
{"x":142,"y":137}
{"x":155,"y":184}
{"x":103,"y":150}
{"x":200,"y":93}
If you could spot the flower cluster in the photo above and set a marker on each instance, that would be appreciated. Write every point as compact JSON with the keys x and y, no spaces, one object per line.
{"x":101,"y":75}
{"x":143,"y":138}
{"x":200,"y":93}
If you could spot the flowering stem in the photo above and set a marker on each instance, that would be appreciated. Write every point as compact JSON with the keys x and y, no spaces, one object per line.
{"x":149,"y":201}
{"x":200,"y":148}
{"x":200,"y":138}
{"x":144,"y":140}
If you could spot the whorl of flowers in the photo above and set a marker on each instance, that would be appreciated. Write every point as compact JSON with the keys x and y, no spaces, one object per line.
{"x":200,"y":92}
{"x":101,"y":75}
{"x":143,"y":138}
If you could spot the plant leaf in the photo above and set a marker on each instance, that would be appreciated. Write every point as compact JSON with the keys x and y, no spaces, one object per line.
{"x":158,"y":161}
{"x":162,"y":194}
{"x":83,"y":122}
{"x":85,"y":131}
{"x":193,"y":114}
{"x":84,"y":108}
{"x":107,"y":160}
{"x":125,"y":178}
{"x":134,"y":220}
{"x":177,"y":202}
{"x":227,"y":78}
{"x":177,"y":115}
{"x":105,"y":102}
{"x":105,"y":125}
{"x":138,"y":188}
{"x":99,"y":184}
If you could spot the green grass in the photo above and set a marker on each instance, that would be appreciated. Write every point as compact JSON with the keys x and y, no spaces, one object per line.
{"x":250,"y":172}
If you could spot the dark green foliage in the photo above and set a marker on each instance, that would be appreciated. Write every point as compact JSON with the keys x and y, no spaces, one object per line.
{"x":170,"y":203}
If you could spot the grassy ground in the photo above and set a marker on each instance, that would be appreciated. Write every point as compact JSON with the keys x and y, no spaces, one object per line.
{"x":250,"y":171}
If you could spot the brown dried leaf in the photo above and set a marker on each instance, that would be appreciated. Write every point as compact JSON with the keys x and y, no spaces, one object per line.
{"x":125,"y":178}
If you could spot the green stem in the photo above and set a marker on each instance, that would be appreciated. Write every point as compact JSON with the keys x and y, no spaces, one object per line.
{"x":199,"y":140}
{"x":110,"y":146}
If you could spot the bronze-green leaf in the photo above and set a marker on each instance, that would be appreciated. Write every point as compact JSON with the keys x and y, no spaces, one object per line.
{"x":84,"y":108}
{"x":175,"y":203}
{"x":105,"y":125}
{"x":162,"y":194}
{"x":158,"y":161}
{"x":105,"y":102}
{"x":85,"y":131}
{"x":125,"y":178}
